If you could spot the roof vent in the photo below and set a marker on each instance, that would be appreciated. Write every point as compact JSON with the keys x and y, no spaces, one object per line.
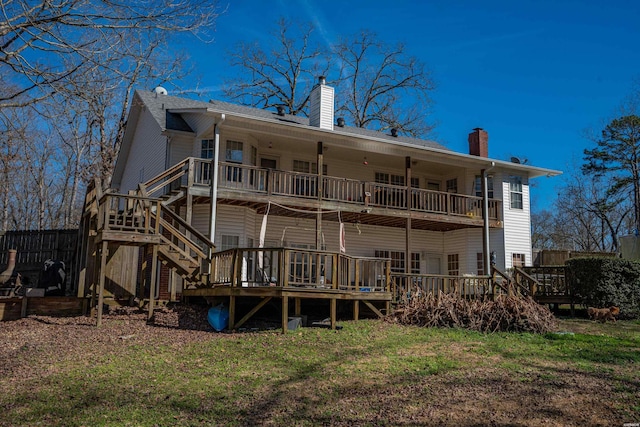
{"x":160,"y":91}
{"x":341,"y":122}
{"x":394,"y":132}
{"x":280,"y":110}
{"x":322,"y":80}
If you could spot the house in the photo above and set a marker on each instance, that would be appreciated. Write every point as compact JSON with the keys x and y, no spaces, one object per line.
{"x":317,"y":183}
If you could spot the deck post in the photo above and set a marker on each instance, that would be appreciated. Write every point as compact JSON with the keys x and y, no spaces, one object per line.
{"x":356,"y":309}
{"x":486,"y":258}
{"x":297,"y":306}
{"x":333,"y":303}
{"x":285,"y":314}
{"x":319,"y":190}
{"x":101,"y":280}
{"x":407,"y":263}
{"x":232,"y":312}
{"x":152,"y":282}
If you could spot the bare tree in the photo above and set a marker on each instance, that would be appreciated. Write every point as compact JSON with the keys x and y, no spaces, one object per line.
{"x":70,"y":66}
{"x":379,"y":86}
{"x":45,"y":45}
{"x":280,"y":74}
{"x":382,"y":87}
{"x":585,"y":217}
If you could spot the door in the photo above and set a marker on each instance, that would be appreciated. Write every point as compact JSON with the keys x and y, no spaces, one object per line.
{"x":434,"y":263}
{"x":266,"y":163}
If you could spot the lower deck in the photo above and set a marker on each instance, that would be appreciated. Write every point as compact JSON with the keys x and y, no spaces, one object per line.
{"x":378,"y":302}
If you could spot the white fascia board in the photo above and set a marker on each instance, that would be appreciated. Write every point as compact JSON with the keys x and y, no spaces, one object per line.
{"x":452,"y":156}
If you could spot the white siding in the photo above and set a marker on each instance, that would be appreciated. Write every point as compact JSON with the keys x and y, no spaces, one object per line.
{"x":321,"y":105}
{"x":517,"y":224}
{"x":180,"y":148}
{"x":146,"y":157}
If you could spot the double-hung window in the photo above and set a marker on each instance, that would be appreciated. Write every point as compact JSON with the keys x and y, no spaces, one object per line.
{"x":515,"y":191}
{"x":234,"y":154}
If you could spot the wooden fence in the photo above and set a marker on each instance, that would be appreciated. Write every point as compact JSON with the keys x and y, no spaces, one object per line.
{"x":35,"y":247}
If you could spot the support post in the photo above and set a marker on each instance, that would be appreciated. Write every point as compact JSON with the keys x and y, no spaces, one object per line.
{"x":152,"y":284}
{"x":333,"y":303}
{"x":407,"y":264}
{"x":486,"y":257}
{"x":297,"y":306}
{"x":285,"y":314}
{"x":232,"y":312}
{"x":319,"y":189}
{"x":215,"y":161}
{"x":101,"y":280}
{"x":356,"y":309}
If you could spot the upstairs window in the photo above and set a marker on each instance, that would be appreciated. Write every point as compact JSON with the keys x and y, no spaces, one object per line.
{"x":308,"y":167}
{"x":234,"y":152}
{"x":515,"y":190}
{"x":207,"y":149}
{"x":452,"y":185}
{"x":478,"y":186}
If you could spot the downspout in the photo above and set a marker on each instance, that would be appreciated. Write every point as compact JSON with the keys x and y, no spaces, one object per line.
{"x":485,"y":225}
{"x":214,"y":177}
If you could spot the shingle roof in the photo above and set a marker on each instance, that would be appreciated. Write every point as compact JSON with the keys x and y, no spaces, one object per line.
{"x":160,"y":107}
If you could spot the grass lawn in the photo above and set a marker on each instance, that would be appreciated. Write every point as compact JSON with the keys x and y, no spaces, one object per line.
{"x":59,"y":372}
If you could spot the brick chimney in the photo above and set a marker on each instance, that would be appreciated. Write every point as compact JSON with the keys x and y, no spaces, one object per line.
{"x":479,"y":143}
{"x":321,"y":105}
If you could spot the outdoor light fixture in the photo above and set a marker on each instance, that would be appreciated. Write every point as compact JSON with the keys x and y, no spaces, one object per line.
{"x":364,"y":161}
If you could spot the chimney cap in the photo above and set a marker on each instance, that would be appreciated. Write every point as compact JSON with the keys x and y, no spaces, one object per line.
{"x":322,"y":80}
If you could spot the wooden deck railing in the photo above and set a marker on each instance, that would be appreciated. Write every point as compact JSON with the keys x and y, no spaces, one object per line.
{"x":143,"y":215}
{"x":194,"y":171}
{"x":290,"y":267}
{"x":469,"y":287}
{"x":545,"y":280}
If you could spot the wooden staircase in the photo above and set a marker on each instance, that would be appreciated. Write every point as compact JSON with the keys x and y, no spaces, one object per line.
{"x":112,"y":220}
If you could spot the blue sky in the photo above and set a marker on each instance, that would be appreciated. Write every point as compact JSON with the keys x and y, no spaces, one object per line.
{"x":534,"y":74}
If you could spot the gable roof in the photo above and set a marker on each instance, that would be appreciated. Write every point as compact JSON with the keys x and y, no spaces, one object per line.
{"x":160,"y":107}
{"x":167,"y":112}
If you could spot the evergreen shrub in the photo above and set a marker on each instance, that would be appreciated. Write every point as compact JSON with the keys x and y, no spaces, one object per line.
{"x":603,"y":282}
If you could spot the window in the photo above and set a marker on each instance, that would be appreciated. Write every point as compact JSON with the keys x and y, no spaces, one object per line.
{"x":229,"y":242}
{"x":433,"y":186}
{"x":452,"y":185}
{"x":392,"y":197}
{"x":518,"y":260}
{"x":308,"y":167}
{"x":207,"y":149}
{"x":480,"y":263}
{"x":234,"y":152}
{"x":478,"y":186}
{"x":233,"y":155}
{"x":415,"y":263}
{"x":515,"y":190}
{"x":453,"y":265}
{"x":397,"y":259}
{"x":306,"y":185}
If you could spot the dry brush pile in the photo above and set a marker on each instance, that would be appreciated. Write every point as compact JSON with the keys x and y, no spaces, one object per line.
{"x":506,"y":313}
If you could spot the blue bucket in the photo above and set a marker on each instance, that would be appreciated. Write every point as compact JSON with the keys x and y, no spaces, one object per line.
{"x":218,"y":317}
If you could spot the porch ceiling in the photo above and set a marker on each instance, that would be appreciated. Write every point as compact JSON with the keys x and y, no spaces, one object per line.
{"x":419,"y":221}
